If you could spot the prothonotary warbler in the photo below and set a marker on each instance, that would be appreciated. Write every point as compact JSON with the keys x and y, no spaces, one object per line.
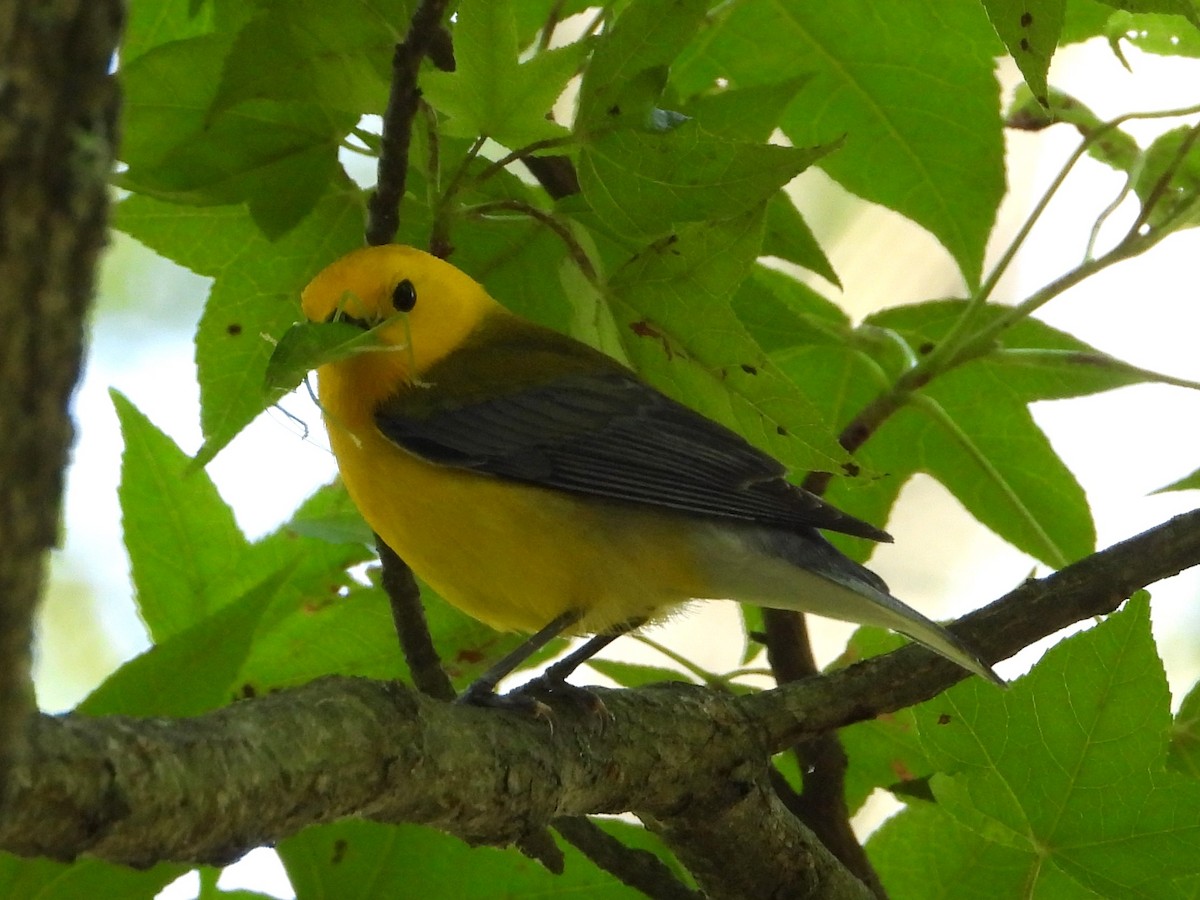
{"x":541,"y":486}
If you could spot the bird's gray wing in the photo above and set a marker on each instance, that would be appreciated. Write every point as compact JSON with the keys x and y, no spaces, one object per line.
{"x":610,"y":435}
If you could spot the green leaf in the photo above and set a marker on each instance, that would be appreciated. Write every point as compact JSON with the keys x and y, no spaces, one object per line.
{"x":923,"y":854}
{"x":325,"y":632}
{"x":253,"y":302}
{"x":533,"y":15}
{"x":149,"y":25}
{"x":181,"y":536}
{"x":970,"y":431}
{"x":1067,"y":768}
{"x":1165,"y":35}
{"x":628,"y":67}
{"x":1186,"y":8}
{"x":1183,"y":755}
{"x":1082,"y":20}
{"x":1170,"y":179}
{"x":279,"y":157}
{"x":789,"y":237}
{"x":204,"y":239}
{"x":253,"y":114}
{"x":46,"y":879}
{"x":517,"y":259}
{"x":323,"y":622}
{"x":974,"y":434}
{"x":1030,"y":30}
{"x":372,"y":860}
{"x":784,"y":314}
{"x":168,"y":91}
{"x":1033,"y":359}
{"x":1186,"y":483}
{"x":315,"y":567}
{"x":744,"y":114}
{"x":307,"y":345}
{"x":909,"y":85}
{"x":209,"y":653}
{"x":884,"y":752}
{"x":334,"y":53}
{"x":276,"y":154}
{"x":491,"y":92}
{"x":342,"y":524}
{"x":632,"y":675}
{"x":672,"y":307}
{"x":810,"y":340}
{"x":643,"y":183}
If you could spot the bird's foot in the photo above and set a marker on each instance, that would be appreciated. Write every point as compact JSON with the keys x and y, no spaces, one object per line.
{"x":528,"y":698}
{"x":553,"y":688}
{"x":484,"y":695}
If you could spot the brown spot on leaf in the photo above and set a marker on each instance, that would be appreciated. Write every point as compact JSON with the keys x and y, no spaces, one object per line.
{"x":1026,"y":19}
{"x":233,"y":329}
{"x":944,"y":719}
{"x":644,"y":329}
{"x":469,"y":656}
{"x":749,"y":370}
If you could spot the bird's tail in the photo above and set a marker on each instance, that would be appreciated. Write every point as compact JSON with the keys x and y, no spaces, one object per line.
{"x":802,"y":571}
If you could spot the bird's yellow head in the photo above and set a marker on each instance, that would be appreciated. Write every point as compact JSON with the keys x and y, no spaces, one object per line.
{"x":434,"y":305}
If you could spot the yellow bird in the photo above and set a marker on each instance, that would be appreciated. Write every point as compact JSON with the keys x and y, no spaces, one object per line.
{"x":540,"y":486}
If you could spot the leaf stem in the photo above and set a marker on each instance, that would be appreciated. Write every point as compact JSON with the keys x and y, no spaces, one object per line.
{"x":439,"y":234}
{"x":521,"y":153}
{"x":961,"y":346}
{"x":574,"y":248}
{"x":709,"y":678}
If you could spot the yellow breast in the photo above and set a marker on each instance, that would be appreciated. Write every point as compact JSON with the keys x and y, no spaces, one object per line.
{"x":511,"y":555}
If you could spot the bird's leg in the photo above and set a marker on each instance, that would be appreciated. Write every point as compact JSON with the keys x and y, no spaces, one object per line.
{"x":554,"y":680}
{"x":482,"y":691}
{"x":559,"y":671}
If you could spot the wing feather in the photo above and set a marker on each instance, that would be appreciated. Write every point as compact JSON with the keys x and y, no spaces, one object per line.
{"x":604,"y":434}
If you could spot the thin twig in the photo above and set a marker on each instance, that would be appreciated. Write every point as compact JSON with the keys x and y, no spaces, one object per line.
{"x":639,"y":869}
{"x":439,"y":234}
{"x":408,"y":615}
{"x":821,"y":804}
{"x":574,"y":248}
{"x":521,"y":153}
{"x":424,"y":35}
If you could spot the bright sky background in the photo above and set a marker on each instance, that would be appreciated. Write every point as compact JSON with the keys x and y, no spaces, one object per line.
{"x":1121,"y":445}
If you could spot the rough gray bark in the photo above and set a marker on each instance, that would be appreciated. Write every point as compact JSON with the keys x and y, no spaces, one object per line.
{"x":58,"y":107}
{"x":687,"y":760}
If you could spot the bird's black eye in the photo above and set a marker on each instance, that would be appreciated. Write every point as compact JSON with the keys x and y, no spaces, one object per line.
{"x":404,"y":296}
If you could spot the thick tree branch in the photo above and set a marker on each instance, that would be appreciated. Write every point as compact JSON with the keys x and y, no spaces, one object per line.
{"x":58,"y":110}
{"x":689,"y":761}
